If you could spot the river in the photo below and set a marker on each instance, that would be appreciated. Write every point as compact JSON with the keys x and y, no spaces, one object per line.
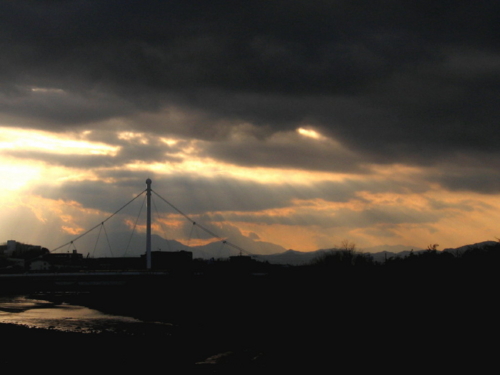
{"x":169,"y":343}
{"x":39,"y":313}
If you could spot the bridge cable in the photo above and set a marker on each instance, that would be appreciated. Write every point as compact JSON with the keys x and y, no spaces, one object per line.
{"x":221,"y":248}
{"x":196,"y":233}
{"x":201,"y":226}
{"x":69,"y":246}
{"x":97,"y":239}
{"x":107,"y":238}
{"x":91,"y":229}
{"x":191,"y":233}
{"x":161,"y":226}
{"x":135,"y":226}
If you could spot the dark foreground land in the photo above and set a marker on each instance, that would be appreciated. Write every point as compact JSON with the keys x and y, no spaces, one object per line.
{"x":306,"y":321}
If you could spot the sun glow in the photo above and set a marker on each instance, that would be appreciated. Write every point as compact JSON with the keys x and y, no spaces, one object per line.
{"x":16,"y":175}
{"x":213,"y":169}
{"x":169,"y":141}
{"x":24,"y":140}
{"x":309,"y":133}
{"x":133,"y":137}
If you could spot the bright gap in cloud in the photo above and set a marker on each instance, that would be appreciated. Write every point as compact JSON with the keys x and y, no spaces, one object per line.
{"x":47,"y":89}
{"x":169,"y":141}
{"x":131,"y":136}
{"x":213,"y":170}
{"x":16,"y":175}
{"x":309,"y":133}
{"x":26,"y":140}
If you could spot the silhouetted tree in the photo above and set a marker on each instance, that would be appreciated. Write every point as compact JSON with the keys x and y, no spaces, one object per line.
{"x":345,"y":256}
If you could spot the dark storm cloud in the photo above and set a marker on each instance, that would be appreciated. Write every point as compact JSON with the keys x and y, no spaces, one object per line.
{"x":394,"y":81}
{"x":58,"y":109}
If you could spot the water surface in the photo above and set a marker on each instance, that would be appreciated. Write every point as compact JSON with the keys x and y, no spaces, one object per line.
{"x":39,"y":313}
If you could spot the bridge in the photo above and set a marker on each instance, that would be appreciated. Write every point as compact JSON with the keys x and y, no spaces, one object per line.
{"x":88,"y":279}
{"x":149,"y":192}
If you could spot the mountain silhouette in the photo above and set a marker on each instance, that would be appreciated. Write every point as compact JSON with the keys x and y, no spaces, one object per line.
{"x":123,"y":245}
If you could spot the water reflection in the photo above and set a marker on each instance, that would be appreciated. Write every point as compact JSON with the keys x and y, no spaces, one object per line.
{"x":36,"y":313}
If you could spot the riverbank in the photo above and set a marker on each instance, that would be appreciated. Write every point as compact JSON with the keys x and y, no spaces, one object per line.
{"x":275,"y":326}
{"x":34,"y":349}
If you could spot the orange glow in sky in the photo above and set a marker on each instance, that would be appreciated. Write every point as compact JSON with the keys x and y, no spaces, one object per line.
{"x":366,"y":217}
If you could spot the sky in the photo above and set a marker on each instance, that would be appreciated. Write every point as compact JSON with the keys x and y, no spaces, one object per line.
{"x":295,"y":123}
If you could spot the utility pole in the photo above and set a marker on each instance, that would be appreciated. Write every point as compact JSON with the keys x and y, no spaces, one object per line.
{"x":148,"y":226}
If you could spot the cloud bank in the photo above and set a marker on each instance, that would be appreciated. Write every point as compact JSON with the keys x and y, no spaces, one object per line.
{"x":305,"y":122}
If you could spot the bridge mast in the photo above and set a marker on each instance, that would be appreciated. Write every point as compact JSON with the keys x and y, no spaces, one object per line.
{"x":148,"y":230}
